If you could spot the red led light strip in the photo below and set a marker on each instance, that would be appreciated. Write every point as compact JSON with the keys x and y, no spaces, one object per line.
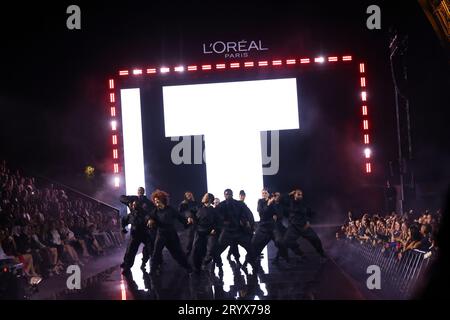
{"x":235,"y":65}
{"x":114,"y":136}
{"x":364,"y":112}
{"x":251,"y":64}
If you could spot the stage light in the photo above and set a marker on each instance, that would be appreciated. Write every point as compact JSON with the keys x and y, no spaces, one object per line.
{"x":363,"y":81}
{"x":206,"y":67}
{"x":366,"y":124}
{"x":111,"y":83}
{"x":179,"y":69}
{"x":304,"y":60}
{"x":114,"y":139}
{"x":347,"y":58}
{"x":164,"y":70}
{"x":137,"y":71}
{"x":192,"y":68}
{"x":263,"y":63}
{"x":319,"y":60}
{"x":361,"y":68}
{"x":132,"y":140}
{"x":112,"y":97}
{"x":151,"y":70}
{"x":368,"y":167}
{"x":235,"y":65}
{"x":332,"y":59}
{"x":364,"y":96}
{"x":89,"y":171}
{"x":117,"y":182}
{"x":220,"y":66}
{"x":234,"y":159}
{"x":291,"y":61}
{"x":366,"y":139}
{"x":122,"y":289}
{"x":114,"y":125}
{"x":116,"y":168}
{"x":123,"y":72}
{"x":115,"y":154}
{"x":276,"y":62}
{"x":113,"y":111}
{"x":364,"y":110}
{"x":367,"y":152}
{"x":249,"y":64}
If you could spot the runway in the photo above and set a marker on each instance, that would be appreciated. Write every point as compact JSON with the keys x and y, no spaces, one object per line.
{"x":297,"y":280}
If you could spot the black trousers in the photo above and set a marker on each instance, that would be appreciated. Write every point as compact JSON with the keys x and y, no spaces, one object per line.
{"x":190,"y":235}
{"x":168,"y":238}
{"x":205,"y":249}
{"x":232,"y":237}
{"x":294,"y":232}
{"x":133,"y":246}
{"x":234,"y":250}
{"x":264,"y":234}
{"x":147,"y":251}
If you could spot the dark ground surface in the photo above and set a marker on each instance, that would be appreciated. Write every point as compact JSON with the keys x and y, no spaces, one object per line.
{"x":300,"y":279}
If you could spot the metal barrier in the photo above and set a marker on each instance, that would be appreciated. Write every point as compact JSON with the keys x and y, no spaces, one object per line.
{"x":76,"y":194}
{"x":399,"y":275}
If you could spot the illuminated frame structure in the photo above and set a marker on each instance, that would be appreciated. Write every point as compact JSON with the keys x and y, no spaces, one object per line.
{"x":114,"y":109}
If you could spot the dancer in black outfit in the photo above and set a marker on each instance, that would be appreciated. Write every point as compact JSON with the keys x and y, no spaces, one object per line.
{"x":163,"y":218}
{"x":299,"y":226}
{"x":148,"y":207}
{"x":235,"y":227}
{"x":208,"y":227}
{"x":188,"y":207}
{"x":267,"y":229}
{"x":140,"y":233}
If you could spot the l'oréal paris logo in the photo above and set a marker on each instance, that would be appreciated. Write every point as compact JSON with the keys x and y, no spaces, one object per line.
{"x":233,"y":49}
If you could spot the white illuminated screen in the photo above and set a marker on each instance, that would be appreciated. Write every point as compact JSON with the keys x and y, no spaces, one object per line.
{"x":132,"y":140}
{"x":231,"y":116}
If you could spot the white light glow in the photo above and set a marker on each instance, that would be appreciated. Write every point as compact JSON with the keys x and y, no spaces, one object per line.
{"x":179,"y":69}
{"x":364,"y":96}
{"x":319,"y":59}
{"x":367,"y":152}
{"x":114,"y":125}
{"x":164,"y":70}
{"x":132,"y":140}
{"x":232,"y":144}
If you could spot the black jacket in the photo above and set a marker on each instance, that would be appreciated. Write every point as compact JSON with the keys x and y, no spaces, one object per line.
{"x":266,"y":213}
{"x":208,"y":218}
{"x":165,"y":218}
{"x":147,"y":205}
{"x":138,"y":218}
{"x":299,"y":213}
{"x":188,"y":208}
{"x":235,"y":214}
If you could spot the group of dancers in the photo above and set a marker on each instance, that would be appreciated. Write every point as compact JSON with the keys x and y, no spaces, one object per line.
{"x":214,"y":225}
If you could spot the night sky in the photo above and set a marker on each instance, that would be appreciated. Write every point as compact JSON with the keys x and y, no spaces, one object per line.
{"x":53,"y":93}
